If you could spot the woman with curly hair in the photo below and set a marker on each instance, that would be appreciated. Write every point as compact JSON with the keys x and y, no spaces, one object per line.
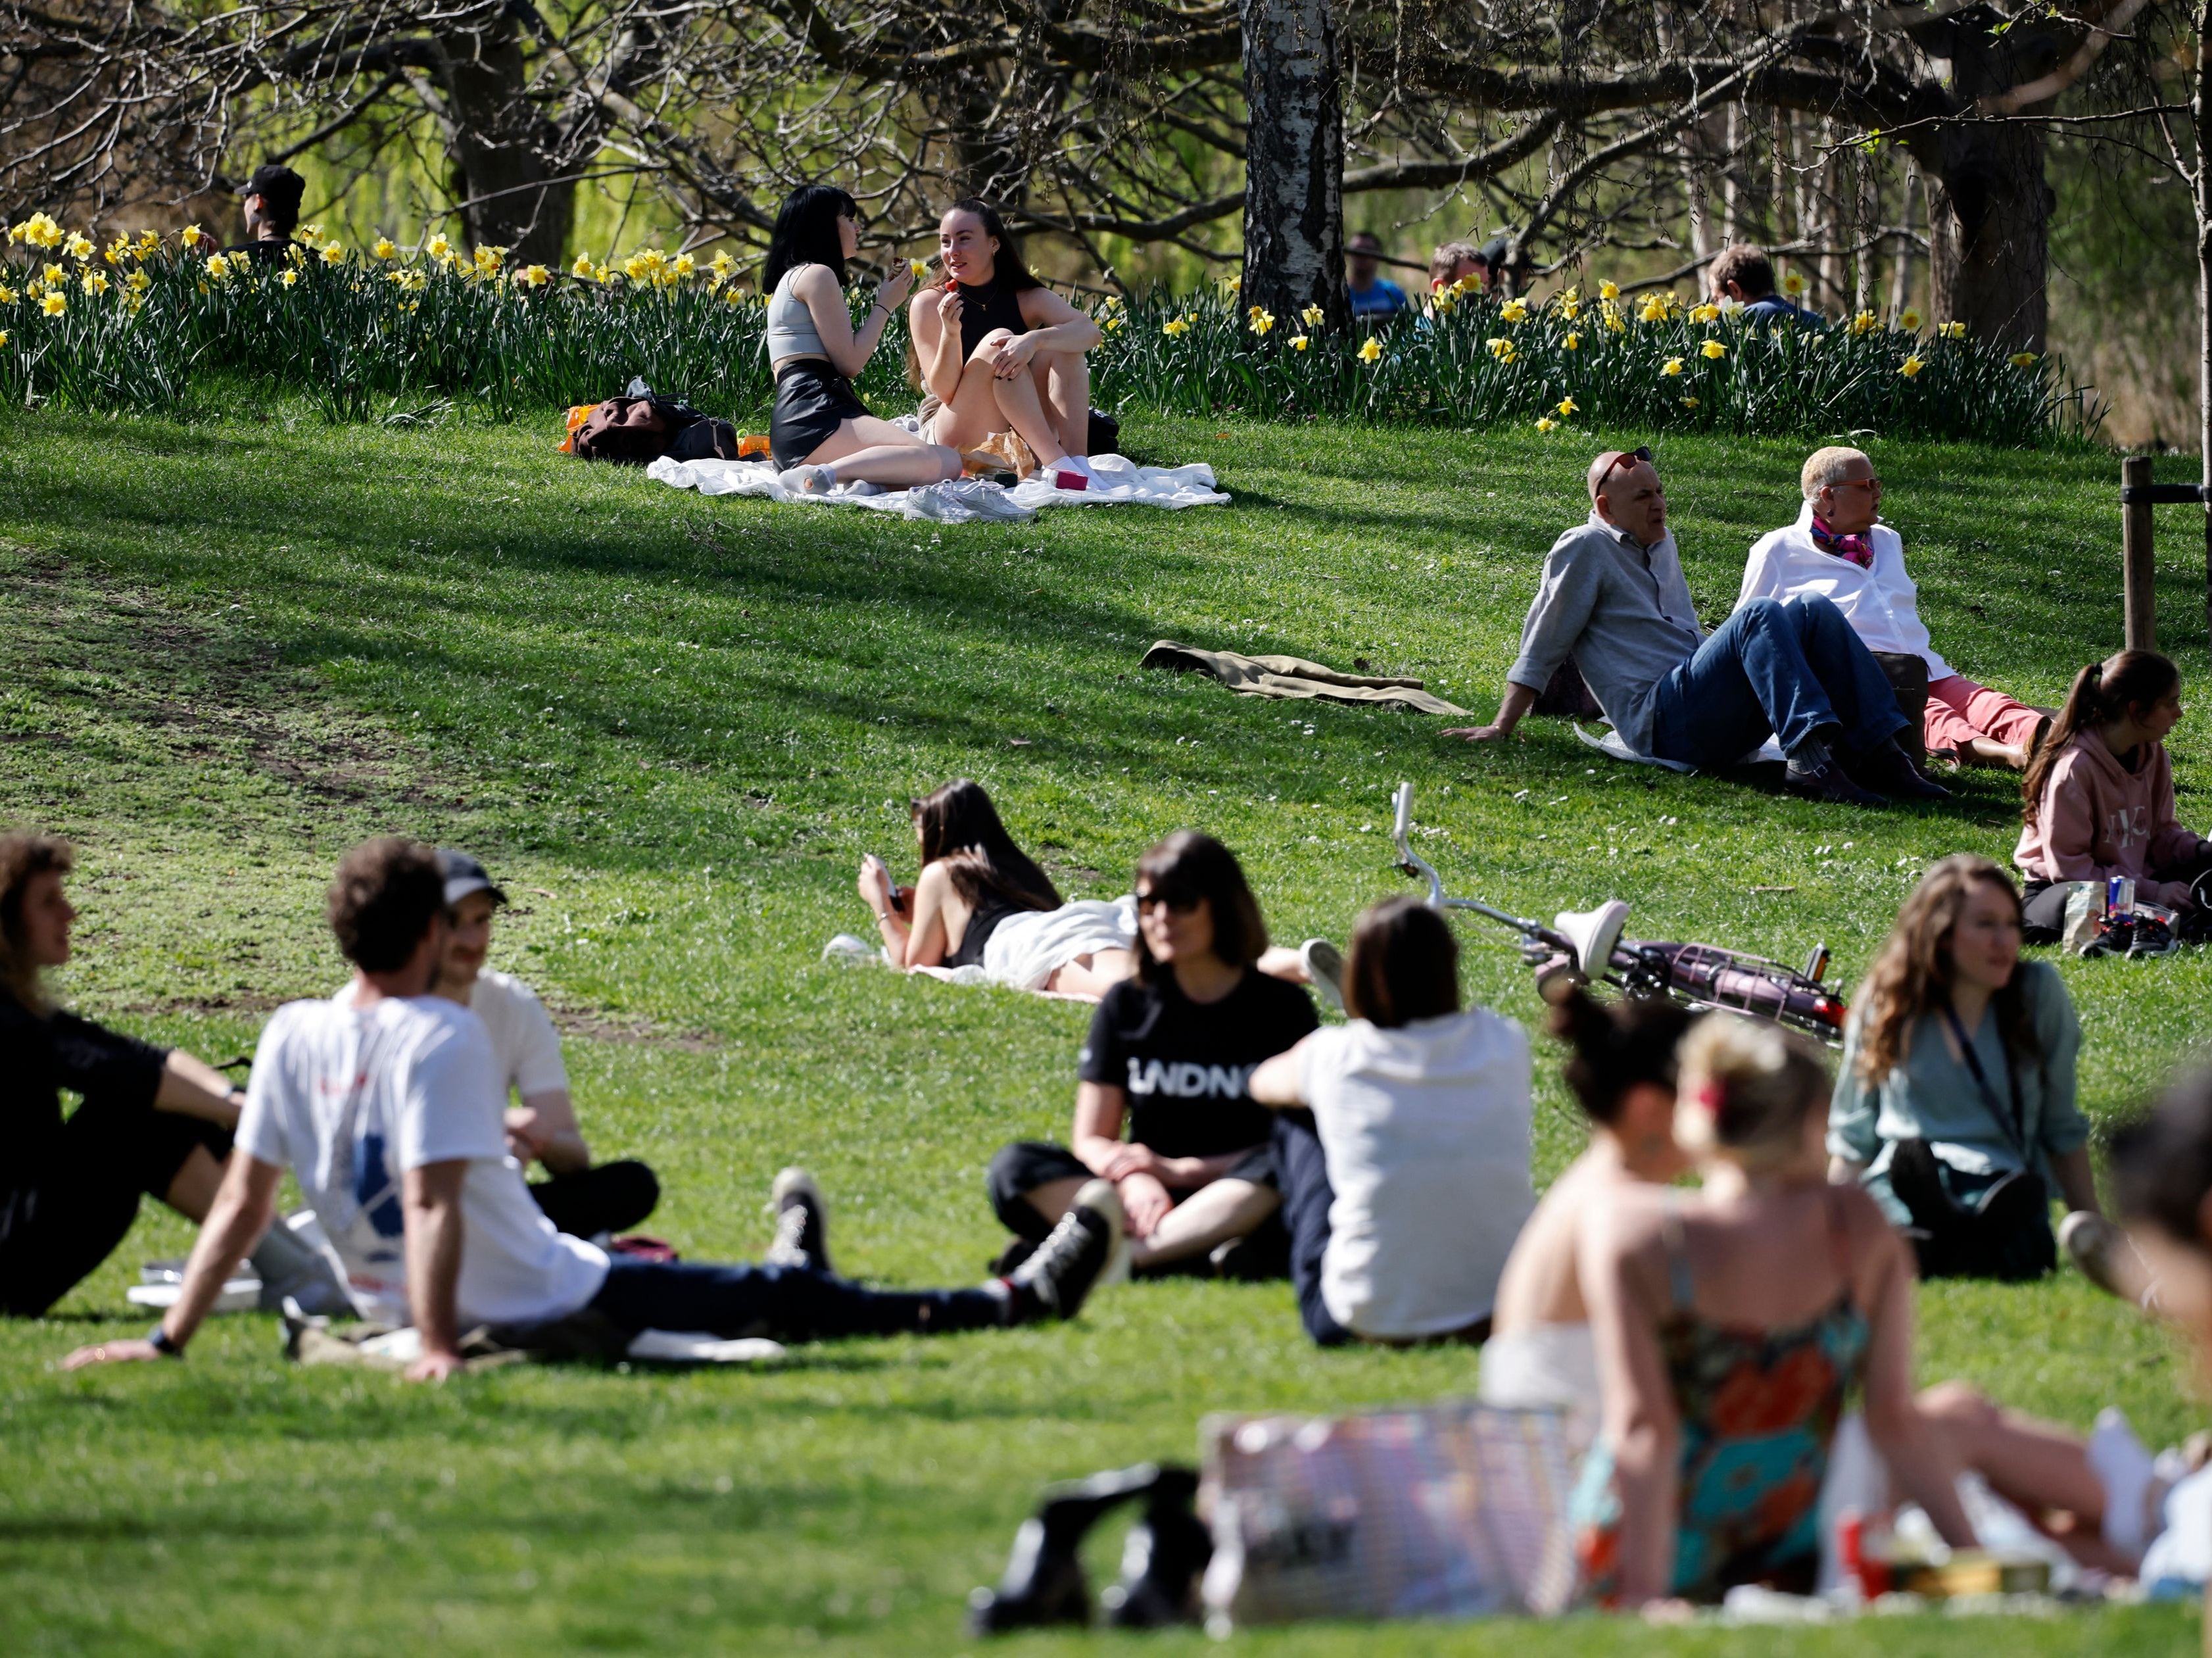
{"x":1956,"y":1106}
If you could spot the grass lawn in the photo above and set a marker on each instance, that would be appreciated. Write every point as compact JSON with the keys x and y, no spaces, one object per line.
{"x":672,"y":726}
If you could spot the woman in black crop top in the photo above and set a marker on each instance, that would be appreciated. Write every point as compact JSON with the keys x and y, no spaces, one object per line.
{"x":999,"y":351}
{"x":972,"y":877}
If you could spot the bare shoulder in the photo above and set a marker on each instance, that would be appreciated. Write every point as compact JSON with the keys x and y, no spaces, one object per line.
{"x":1619,"y":1222}
{"x":1042,"y":308}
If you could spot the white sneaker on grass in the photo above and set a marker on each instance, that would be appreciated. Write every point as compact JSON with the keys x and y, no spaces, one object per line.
{"x":1324,"y":965}
{"x":2105,"y":1255}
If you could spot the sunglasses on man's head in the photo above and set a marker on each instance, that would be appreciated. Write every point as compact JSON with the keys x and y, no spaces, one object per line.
{"x":1641,"y":453}
{"x":1182,"y":903}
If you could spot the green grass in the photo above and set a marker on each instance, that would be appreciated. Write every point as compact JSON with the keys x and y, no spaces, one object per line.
{"x":672,"y":726}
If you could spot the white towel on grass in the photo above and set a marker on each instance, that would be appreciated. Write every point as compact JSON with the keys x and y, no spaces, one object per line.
{"x":1119,"y":481}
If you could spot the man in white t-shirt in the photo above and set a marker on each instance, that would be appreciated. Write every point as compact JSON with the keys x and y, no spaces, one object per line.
{"x":589,"y":1199}
{"x":385,"y":1102}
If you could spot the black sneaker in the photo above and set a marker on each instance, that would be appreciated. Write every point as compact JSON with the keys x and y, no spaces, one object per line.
{"x":1070,"y":1263}
{"x":1891,"y":769}
{"x":1017,"y":1251}
{"x":1829,"y":781}
{"x":802,"y":1223}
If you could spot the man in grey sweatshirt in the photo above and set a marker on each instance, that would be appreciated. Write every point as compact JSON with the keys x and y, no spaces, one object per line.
{"x":1612,"y":595}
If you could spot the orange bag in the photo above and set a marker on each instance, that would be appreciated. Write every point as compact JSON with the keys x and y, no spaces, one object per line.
{"x":578,"y":414}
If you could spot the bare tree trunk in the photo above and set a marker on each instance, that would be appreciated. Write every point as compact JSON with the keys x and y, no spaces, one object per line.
{"x":1900,"y":269}
{"x":2200,"y":109}
{"x":1732,"y":178}
{"x":502,"y":144}
{"x":1866,"y":220}
{"x":1294,"y":159}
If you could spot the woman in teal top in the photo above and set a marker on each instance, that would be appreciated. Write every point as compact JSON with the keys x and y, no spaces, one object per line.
{"x":1955,"y":1105}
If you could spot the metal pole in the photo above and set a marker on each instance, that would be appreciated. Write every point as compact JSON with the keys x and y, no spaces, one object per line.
{"x":2138,"y":568}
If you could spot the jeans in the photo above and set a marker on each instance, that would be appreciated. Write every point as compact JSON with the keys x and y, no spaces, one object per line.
{"x":1794,"y":669}
{"x":789,"y":1303}
{"x":1302,"y":1171}
{"x":604,"y":1197}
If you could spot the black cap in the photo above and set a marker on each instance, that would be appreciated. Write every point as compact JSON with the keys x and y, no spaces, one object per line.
{"x":464,"y":875}
{"x":1494,"y":252}
{"x":280,"y":191}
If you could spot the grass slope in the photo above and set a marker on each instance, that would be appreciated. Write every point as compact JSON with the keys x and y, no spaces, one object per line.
{"x":673,"y":725}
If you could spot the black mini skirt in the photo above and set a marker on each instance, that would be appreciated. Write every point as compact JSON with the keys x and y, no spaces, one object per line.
{"x":812,"y":399}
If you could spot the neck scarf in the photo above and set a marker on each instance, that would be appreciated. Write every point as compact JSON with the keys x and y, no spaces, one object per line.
{"x":1857,"y":548}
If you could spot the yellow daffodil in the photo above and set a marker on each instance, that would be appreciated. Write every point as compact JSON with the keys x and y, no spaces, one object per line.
{"x":1705,"y":313}
{"x":1545,"y":423}
{"x":2025,"y":359}
{"x":1910,"y":367}
{"x":114,"y":251}
{"x":218,"y":267}
{"x":1673,"y":366}
{"x":1514,"y":310}
{"x":54,"y":305}
{"x":333,"y":253}
{"x":79,"y":247}
{"x":4,"y":337}
{"x":1299,"y":341}
{"x":1608,"y":291}
{"x":1689,"y":403}
{"x":1175,"y":326}
{"x":1793,"y":284}
{"x":1865,"y":323}
{"x":723,"y":264}
{"x":8,"y":295}
{"x":96,"y":282}
{"x":1952,"y":330}
{"x":1568,"y":406}
{"x":536,"y":275}
{"x":1371,"y":349}
{"x":582,"y":267}
{"x":54,"y":274}
{"x":295,"y":255}
{"x":1312,"y":316}
{"x":385,"y":248}
{"x":138,"y":282}
{"x":1712,"y":350}
{"x":39,"y":230}
{"x":488,"y":260}
{"x":192,"y":235}
{"x":637,"y":268}
{"x":1499,"y":347}
{"x":1655,"y":310}
{"x":439,"y":249}
{"x":1262,"y":321}
{"x":1615,"y":318}
{"x":1909,"y":320}
{"x":682,"y":265}
{"x":1442,"y":302}
{"x":311,"y":233}
{"x":1571,"y":309}
{"x":148,"y":245}
{"x":1573,"y":341}
{"x":288,"y":277}
{"x":1236,"y":284}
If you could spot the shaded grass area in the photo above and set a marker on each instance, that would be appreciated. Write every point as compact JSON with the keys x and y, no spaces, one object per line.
{"x":674,"y":726}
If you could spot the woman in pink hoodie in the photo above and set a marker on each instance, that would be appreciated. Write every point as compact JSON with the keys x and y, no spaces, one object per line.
{"x":2099,"y":794}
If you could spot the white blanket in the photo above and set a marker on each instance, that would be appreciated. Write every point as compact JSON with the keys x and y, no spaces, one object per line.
{"x":1120,"y":481}
{"x":1024,"y":950}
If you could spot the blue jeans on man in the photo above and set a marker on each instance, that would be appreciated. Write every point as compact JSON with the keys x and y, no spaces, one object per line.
{"x":1793,"y":668}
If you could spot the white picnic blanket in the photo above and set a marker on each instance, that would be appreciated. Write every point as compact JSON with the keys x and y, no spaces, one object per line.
{"x":1119,"y":482}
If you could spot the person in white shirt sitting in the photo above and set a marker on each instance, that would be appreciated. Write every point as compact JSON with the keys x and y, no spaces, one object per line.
{"x":385,"y":1102}
{"x":590,"y":1200}
{"x":1406,"y":1181}
{"x":1840,"y":550}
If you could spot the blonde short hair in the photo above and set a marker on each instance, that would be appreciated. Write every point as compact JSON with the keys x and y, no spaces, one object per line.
{"x":1824,"y":468}
{"x":1747,"y":1087}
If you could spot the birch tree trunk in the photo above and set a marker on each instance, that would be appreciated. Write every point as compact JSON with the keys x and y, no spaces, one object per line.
{"x":1293,"y":162}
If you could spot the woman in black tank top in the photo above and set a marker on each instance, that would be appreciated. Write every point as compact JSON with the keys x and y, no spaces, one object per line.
{"x":998,"y":350}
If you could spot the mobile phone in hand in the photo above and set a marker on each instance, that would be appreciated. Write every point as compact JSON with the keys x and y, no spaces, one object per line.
{"x":890,"y":885}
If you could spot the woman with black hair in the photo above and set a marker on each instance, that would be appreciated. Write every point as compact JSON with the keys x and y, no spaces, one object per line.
{"x":820,"y":434}
{"x":1406,"y":1178}
{"x":1170,"y":1059}
{"x":1000,"y":351}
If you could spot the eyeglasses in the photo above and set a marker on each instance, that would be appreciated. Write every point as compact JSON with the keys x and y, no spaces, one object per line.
{"x":1640,"y":454}
{"x":1182,"y":903}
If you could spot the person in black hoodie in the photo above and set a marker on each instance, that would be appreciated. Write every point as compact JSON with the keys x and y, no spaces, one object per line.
{"x":153,"y":1122}
{"x":1169,"y":1063}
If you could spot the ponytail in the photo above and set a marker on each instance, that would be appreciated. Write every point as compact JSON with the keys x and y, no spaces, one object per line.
{"x":1616,"y":1046}
{"x":2102,"y":693}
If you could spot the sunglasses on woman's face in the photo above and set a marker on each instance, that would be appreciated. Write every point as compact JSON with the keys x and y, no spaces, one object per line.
{"x":1182,"y":903}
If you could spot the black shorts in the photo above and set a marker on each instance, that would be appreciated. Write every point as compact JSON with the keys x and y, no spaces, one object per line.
{"x":812,"y":400}
{"x":1022,"y":1166}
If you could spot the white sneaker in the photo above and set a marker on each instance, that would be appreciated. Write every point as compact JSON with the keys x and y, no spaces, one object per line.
{"x":2105,"y":1255}
{"x":1324,"y":965}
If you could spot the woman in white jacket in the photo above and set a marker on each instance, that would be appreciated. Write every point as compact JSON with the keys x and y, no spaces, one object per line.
{"x":1838,"y":550}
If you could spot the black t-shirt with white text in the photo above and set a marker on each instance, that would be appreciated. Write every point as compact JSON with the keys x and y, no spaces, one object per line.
{"x":1186,"y":1066}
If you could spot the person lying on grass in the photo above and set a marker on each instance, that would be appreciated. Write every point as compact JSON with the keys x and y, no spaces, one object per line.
{"x":2092,"y":1493}
{"x":1955,"y":1104}
{"x":2099,"y":796}
{"x":151,"y":1121}
{"x":1404,"y":1177}
{"x":386,"y":1104}
{"x":1838,"y":550}
{"x":579,"y":1196}
{"x":982,"y":901}
{"x":1613,"y":597}
{"x":1730,"y":1327}
{"x":998,"y":350}
{"x":1170,"y":1059}
{"x":820,"y":433}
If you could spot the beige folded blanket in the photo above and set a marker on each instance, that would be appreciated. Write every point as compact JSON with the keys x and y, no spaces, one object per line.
{"x":1292,"y":677}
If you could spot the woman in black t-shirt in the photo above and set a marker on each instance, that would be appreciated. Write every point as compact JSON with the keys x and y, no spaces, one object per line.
{"x":1170,"y":1059}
